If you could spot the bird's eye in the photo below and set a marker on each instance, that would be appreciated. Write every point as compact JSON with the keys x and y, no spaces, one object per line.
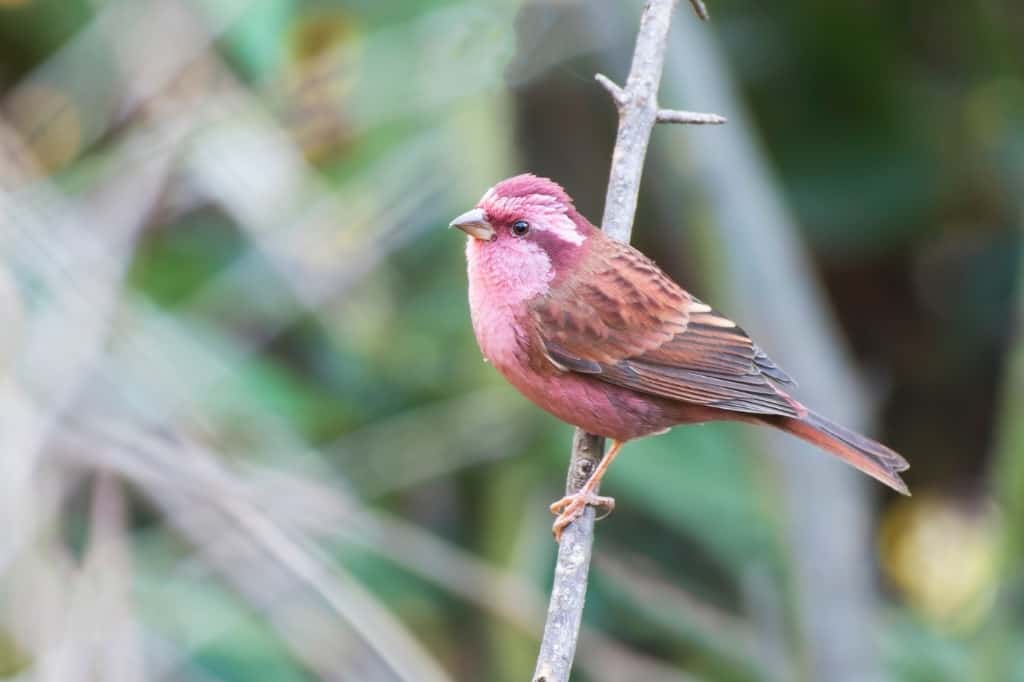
{"x":520,"y":227}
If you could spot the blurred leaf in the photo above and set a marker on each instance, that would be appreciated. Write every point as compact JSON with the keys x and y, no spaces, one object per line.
{"x":176,"y":261}
{"x":718,"y":644}
{"x":916,"y":654}
{"x":312,"y":411}
{"x":217,"y":629}
{"x":696,"y":480}
{"x":31,"y":29}
{"x":254,"y":42}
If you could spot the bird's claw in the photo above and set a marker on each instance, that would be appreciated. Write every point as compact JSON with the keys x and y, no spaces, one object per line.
{"x":570,"y":507}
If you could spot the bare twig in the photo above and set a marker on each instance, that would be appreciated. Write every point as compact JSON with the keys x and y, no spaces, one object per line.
{"x":638,"y":109}
{"x":694,"y":117}
{"x":621,"y":99}
{"x":617,"y":93}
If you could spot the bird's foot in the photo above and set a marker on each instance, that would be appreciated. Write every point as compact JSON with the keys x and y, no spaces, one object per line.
{"x":570,"y":507}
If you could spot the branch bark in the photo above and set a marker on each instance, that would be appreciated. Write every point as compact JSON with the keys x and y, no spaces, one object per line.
{"x":637,"y":104}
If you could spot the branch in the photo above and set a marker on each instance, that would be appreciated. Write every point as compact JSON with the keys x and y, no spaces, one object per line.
{"x":694,"y":117}
{"x":637,"y":104}
{"x":621,"y":99}
{"x":617,"y":93}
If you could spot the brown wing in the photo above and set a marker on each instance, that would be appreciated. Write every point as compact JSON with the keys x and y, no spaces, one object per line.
{"x":628,"y":324}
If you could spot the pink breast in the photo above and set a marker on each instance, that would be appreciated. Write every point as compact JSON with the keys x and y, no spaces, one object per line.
{"x":500,"y":315}
{"x":591,"y":404}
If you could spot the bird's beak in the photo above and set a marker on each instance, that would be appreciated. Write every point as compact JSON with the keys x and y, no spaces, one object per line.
{"x":474,"y":223}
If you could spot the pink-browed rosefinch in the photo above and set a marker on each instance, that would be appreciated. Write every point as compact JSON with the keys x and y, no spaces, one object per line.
{"x":592,"y":331}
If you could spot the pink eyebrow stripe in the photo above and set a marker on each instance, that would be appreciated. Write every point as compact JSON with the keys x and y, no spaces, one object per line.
{"x":556,"y":222}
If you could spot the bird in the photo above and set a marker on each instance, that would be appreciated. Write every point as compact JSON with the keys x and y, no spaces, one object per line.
{"x":592,"y":331}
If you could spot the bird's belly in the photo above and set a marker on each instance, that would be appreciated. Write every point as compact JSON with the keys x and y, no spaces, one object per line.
{"x":593,"y":405}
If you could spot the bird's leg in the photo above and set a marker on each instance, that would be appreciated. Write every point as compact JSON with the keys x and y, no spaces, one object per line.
{"x":570,"y":507}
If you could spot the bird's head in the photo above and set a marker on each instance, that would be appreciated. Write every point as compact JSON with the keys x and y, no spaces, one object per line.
{"x":529,"y":224}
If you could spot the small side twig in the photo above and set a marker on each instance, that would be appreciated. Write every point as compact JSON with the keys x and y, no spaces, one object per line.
{"x":692,"y":117}
{"x":617,"y":93}
{"x":620,"y":98}
{"x":637,"y":104}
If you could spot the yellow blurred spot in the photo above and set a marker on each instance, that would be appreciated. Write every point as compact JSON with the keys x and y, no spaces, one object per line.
{"x":942,"y":555}
{"x":47,"y":120}
{"x":318,"y":33}
{"x":991,"y":109}
{"x":324,"y":50}
{"x":13,"y":659}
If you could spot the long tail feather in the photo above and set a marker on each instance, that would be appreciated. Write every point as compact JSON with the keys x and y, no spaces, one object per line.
{"x":871,"y":457}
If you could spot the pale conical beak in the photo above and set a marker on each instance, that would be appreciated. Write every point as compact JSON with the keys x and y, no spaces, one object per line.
{"x":474,"y":223}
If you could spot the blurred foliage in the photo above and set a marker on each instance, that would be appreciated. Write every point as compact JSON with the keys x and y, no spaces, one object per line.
{"x":295,"y":304}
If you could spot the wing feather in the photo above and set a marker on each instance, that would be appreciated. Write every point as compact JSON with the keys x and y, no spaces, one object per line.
{"x":630,"y":325}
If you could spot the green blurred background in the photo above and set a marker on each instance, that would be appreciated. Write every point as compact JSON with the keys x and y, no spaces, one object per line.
{"x":246,"y":434}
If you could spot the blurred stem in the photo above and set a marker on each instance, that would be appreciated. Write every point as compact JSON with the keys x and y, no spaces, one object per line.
{"x":1009,"y":482}
{"x":1011,"y":455}
{"x":637,"y":103}
{"x":1011,"y":444}
{"x":506,"y":486}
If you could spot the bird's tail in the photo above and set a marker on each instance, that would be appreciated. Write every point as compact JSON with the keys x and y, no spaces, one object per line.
{"x":871,"y":457}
